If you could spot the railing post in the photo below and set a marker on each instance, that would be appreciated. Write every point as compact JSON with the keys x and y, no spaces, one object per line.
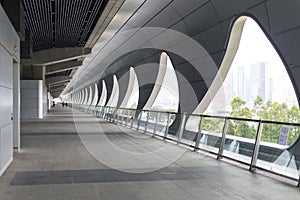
{"x":101,"y":112}
{"x":131,"y":119}
{"x":113,"y":114}
{"x":156,"y":123}
{"x":167,"y":126}
{"x":199,"y":133}
{"x":139,"y":119}
{"x":223,"y":139}
{"x":181,"y":128}
{"x":106,"y":113}
{"x":122,"y":116}
{"x":126,"y":121}
{"x":147,"y":121}
{"x":110,"y":116}
{"x":256,"y":146}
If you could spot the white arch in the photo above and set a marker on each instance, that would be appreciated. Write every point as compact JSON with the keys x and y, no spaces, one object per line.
{"x":103,"y":94}
{"x":76,"y":99}
{"x":81,"y":96}
{"x":113,"y":101}
{"x":166,"y":90}
{"x":130,"y":90}
{"x":85,"y":94}
{"x":232,"y":48}
{"x":95,"y":93}
{"x":90,"y":95}
{"x":159,"y":80}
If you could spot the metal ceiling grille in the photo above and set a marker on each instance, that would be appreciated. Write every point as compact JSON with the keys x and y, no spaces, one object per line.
{"x":61,"y":23}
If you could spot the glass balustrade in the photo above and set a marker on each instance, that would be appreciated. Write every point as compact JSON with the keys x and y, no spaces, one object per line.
{"x":273,"y":146}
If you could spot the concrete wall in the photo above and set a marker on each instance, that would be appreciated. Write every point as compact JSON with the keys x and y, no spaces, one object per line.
{"x":33,"y":99}
{"x":9,"y":54}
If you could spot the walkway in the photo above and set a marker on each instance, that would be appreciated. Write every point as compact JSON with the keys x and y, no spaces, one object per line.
{"x":53,"y":164}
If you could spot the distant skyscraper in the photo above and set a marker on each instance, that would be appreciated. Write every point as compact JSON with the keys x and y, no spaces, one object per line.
{"x":270,"y":89}
{"x":241,"y":82}
{"x":258,"y":80}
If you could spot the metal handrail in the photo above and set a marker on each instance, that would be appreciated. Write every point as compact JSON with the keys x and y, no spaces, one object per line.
{"x":111,"y":113}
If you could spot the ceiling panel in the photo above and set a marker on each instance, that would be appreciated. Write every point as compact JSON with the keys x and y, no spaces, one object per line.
{"x":279,"y":19}
{"x":61,"y":23}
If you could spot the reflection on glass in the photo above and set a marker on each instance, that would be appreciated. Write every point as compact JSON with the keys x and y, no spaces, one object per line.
{"x":276,"y":152}
{"x":211,"y":134}
{"x":240,"y":139}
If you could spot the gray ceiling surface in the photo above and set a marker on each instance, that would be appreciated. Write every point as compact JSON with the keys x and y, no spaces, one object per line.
{"x":209,"y":22}
{"x":61,"y":23}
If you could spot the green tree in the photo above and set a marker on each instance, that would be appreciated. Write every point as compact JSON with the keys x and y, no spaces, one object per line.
{"x":258,"y":106}
{"x":238,"y":127}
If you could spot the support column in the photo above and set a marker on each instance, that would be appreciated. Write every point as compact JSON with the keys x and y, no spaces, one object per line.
{"x":16,"y":106}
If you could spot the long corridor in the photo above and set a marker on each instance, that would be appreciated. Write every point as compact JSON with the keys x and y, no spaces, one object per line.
{"x":54,"y":164}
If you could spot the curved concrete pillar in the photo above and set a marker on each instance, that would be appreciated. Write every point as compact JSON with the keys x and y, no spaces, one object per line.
{"x":232,"y":47}
{"x":113,"y":100}
{"x":146,"y":65}
{"x":86,"y":96}
{"x":192,"y":88}
{"x":95,"y":94}
{"x":124,"y":77}
{"x":103,"y":93}
{"x":109,"y":87}
{"x":90,"y":95}
{"x":158,"y":82}
{"x":81,"y":96}
{"x":147,"y":75}
{"x":129,"y":91}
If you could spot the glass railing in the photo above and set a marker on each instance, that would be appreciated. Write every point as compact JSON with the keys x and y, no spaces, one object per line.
{"x":268,"y":145}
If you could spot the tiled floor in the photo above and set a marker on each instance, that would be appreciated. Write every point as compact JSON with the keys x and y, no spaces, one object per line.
{"x":54,"y":164}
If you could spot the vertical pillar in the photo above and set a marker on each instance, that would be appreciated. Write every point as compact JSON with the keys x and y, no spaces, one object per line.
{"x":199,"y":133}
{"x":16,"y":106}
{"x":167,"y":126}
{"x":223,"y":139}
{"x":156,"y":123}
{"x":256,"y":146}
{"x":182,"y":127}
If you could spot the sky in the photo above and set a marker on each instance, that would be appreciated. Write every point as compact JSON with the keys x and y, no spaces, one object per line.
{"x":255,"y":47}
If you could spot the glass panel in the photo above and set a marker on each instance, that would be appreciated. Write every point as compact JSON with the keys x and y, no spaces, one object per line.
{"x":173,"y":128}
{"x":276,"y":151}
{"x":143,"y":120}
{"x":152,"y":121}
{"x":130,"y":117}
{"x":135,"y":119}
{"x":240,"y":139}
{"x":211,"y":134}
{"x":191,"y":130}
{"x":161,"y":123}
{"x":119,"y":115}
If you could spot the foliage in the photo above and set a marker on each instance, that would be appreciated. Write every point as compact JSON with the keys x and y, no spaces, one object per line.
{"x":269,"y":110}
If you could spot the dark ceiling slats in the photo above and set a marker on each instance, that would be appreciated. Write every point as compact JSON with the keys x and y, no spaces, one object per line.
{"x":61,"y":23}
{"x":94,"y":14}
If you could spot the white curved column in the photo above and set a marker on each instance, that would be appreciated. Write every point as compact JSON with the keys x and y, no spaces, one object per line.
{"x":158,"y":83}
{"x":103,"y":94}
{"x":233,"y":45}
{"x":129,"y":92}
{"x":95,"y":95}
{"x":113,"y":101}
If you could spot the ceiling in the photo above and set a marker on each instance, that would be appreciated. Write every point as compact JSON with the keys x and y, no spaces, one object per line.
{"x":61,"y":23}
